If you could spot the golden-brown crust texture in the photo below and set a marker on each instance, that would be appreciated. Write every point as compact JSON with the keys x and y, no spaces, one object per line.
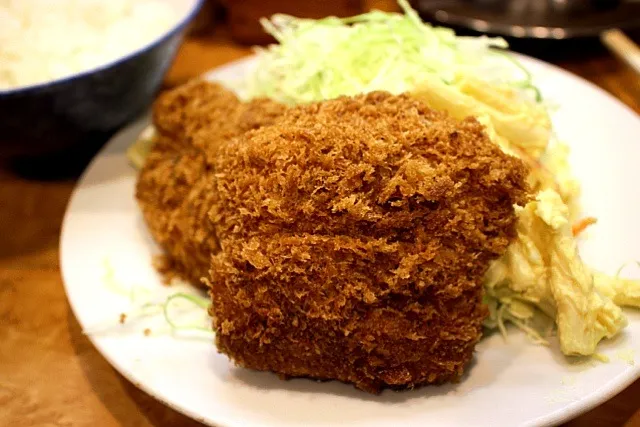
{"x":174,"y":185}
{"x":354,"y":235}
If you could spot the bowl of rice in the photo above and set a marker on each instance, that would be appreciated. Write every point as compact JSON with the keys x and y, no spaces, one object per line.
{"x":75,"y":70}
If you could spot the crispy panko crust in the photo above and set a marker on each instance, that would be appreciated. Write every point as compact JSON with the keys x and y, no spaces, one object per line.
{"x":354,"y":235}
{"x":174,"y":186}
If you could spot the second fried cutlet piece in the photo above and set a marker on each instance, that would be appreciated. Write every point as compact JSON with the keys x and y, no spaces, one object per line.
{"x":173,"y":187}
{"x":355,"y":234}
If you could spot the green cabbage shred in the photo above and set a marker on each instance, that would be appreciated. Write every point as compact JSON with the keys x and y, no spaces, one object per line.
{"x":322,"y":59}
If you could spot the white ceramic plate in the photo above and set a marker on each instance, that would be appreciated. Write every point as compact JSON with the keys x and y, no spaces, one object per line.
{"x":510,"y":383}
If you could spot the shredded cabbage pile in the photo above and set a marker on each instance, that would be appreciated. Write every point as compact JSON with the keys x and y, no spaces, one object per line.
{"x":323,"y":59}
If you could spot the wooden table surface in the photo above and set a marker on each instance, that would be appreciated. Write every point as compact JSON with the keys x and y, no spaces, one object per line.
{"x":50,"y":374}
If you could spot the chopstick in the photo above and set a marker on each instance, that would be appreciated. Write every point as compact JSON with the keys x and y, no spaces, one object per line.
{"x":623,"y":47}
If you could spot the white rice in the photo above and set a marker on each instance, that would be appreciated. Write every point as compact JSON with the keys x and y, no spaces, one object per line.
{"x":43,"y":40}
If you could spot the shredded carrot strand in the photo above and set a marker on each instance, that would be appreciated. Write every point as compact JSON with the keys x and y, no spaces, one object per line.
{"x":582,"y":225}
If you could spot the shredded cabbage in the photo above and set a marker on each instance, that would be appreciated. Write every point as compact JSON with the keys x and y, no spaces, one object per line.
{"x":137,"y":153}
{"x":326,"y":58}
{"x":177,"y":309}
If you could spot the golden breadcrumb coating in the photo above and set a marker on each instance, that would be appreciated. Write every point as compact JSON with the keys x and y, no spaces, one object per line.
{"x":174,"y":185}
{"x":354,"y":235}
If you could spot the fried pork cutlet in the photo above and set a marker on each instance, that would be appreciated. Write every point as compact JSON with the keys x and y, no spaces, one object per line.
{"x":354,"y":235}
{"x":173,"y":188}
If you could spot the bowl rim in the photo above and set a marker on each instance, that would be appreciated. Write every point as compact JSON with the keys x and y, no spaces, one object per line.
{"x":177,"y":27}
